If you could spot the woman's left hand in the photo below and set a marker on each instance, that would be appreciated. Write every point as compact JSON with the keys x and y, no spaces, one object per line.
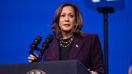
{"x":92,"y":72}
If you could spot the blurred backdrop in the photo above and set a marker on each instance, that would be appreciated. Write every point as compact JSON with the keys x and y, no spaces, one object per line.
{"x":22,"y":20}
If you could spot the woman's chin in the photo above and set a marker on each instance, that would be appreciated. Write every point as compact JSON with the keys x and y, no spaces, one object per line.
{"x":67,"y":30}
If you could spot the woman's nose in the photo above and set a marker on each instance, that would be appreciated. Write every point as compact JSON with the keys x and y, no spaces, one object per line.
{"x":67,"y":19}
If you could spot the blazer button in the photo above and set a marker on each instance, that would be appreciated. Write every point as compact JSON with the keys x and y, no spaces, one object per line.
{"x":76,"y":45}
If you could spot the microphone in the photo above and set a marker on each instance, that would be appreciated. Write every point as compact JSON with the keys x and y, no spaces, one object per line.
{"x":45,"y":45}
{"x":33,"y":46}
{"x":37,"y":40}
{"x":48,"y":40}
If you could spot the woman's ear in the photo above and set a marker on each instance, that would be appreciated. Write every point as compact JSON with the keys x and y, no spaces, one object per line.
{"x":75,"y":23}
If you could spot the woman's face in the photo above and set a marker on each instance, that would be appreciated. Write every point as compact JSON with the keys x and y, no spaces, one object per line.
{"x":67,"y":19}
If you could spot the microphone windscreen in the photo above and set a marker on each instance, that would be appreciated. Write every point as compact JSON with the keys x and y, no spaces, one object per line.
{"x":37,"y":40}
{"x":50,"y":37}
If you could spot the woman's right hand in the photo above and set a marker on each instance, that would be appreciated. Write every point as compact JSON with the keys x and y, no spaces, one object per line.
{"x":92,"y":72}
{"x":32,"y":58}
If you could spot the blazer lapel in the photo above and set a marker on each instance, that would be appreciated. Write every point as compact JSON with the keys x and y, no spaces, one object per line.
{"x":55,"y":51}
{"x":77,"y":44}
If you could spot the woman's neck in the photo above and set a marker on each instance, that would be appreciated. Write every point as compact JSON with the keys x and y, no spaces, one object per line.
{"x":66,"y":35}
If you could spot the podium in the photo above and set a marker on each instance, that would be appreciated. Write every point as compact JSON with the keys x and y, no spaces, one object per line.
{"x":49,"y":67}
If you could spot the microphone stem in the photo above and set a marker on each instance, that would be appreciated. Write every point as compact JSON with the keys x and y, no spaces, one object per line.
{"x":41,"y":54}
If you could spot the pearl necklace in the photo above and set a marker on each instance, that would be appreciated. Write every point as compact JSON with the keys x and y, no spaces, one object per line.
{"x":68,"y":42}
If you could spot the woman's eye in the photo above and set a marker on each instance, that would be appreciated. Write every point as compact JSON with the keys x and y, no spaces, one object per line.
{"x":71,"y":15}
{"x":62,"y":15}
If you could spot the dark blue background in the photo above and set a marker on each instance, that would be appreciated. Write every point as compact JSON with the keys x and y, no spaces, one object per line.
{"x":22,"y":20}
{"x":116,"y":4}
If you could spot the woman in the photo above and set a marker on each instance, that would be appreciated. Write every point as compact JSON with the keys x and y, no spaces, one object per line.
{"x":72,"y":44}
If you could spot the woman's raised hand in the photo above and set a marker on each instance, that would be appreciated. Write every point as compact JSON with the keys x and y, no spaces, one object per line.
{"x":32,"y":58}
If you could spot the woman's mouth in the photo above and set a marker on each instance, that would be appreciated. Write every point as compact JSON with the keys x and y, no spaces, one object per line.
{"x":66,"y":25}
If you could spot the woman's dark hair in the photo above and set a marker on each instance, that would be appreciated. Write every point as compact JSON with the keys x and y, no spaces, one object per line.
{"x":78,"y":18}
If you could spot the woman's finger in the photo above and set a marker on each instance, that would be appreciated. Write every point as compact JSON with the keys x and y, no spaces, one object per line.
{"x":33,"y":55}
{"x":31,"y":58}
{"x":94,"y":72}
{"x":89,"y":69}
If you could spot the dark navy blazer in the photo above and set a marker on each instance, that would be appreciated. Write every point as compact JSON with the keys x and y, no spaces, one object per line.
{"x":87,"y":50}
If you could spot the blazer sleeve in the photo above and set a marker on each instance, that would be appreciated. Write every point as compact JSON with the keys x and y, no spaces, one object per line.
{"x":97,"y":55}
